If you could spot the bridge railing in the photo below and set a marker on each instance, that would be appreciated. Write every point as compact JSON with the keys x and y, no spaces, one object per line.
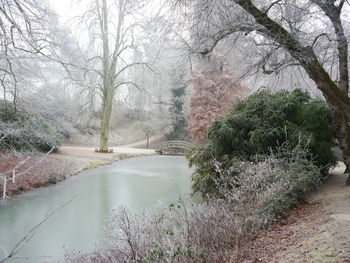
{"x":187,"y":146}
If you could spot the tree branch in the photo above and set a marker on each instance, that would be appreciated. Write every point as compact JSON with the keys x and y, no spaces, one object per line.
{"x":24,"y":241}
{"x":336,"y":96}
{"x":333,"y":13}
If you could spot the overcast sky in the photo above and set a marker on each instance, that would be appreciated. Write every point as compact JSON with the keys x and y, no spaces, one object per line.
{"x":65,"y":9}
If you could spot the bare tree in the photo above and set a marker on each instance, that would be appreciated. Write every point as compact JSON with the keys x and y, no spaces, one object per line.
{"x":288,"y":33}
{"x":26,"y":29}
{"x":112,"y":30}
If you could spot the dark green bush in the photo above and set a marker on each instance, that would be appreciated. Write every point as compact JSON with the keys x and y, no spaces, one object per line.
{"x":258,"y":125}
{"x":20,"y":130}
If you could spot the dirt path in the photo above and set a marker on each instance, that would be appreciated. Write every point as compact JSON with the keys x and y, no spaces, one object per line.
{"x":317,"y":232}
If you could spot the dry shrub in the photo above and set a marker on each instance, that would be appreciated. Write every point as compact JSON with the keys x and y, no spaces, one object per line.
{"x":45,"y":171}
{"x":198,"y":233}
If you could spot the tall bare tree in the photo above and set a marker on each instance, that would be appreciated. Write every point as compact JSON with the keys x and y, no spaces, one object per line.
{"x":111,"y":26}
{"x":307,"y":34}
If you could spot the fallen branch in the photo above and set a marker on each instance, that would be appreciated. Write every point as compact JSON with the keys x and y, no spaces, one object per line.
{"x":24,"y":241}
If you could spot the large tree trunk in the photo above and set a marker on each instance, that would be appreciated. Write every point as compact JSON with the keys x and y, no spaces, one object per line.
{"x":106,"y":115}
{"x":342,"y":130}
{"x":339,"y":103}
{"x":107,"y":91}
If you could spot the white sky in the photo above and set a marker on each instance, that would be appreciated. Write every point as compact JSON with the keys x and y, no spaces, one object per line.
{"x":66,"y":9}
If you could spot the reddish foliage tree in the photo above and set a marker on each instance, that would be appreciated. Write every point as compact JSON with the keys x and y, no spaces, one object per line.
{"x":214,"y":94}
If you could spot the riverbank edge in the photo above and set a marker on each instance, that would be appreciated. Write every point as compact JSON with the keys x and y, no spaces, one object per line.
{"x":79,"y":165}
{"x":93,"y":164}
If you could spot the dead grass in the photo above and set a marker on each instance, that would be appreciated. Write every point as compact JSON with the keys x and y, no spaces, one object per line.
{"x":50,"y":171}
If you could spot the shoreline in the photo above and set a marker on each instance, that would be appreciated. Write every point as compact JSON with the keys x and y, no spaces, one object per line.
{"x":72,"y":160}
{"x":83,"y":163}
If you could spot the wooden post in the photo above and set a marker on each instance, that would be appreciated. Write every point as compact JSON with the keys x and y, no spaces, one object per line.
{"x":14,"y":176}
{"x":4,"y":188}
{"x":147,"y":134}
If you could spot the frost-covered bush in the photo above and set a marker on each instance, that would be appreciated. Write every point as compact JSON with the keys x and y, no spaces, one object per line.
{"x":279,"y":181}
{"x":301,"y":172}
{"x":33,"y":171}
{"x":20,"y":130}
{"x":194,"y":233}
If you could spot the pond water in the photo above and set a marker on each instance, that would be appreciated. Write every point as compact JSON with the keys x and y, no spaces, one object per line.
{"x":136,"y":183}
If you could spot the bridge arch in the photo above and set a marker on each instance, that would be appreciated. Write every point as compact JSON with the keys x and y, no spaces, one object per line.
{"x":169,"y":145}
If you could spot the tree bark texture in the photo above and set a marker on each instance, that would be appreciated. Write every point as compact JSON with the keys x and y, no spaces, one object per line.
{"x":106,"y":115}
